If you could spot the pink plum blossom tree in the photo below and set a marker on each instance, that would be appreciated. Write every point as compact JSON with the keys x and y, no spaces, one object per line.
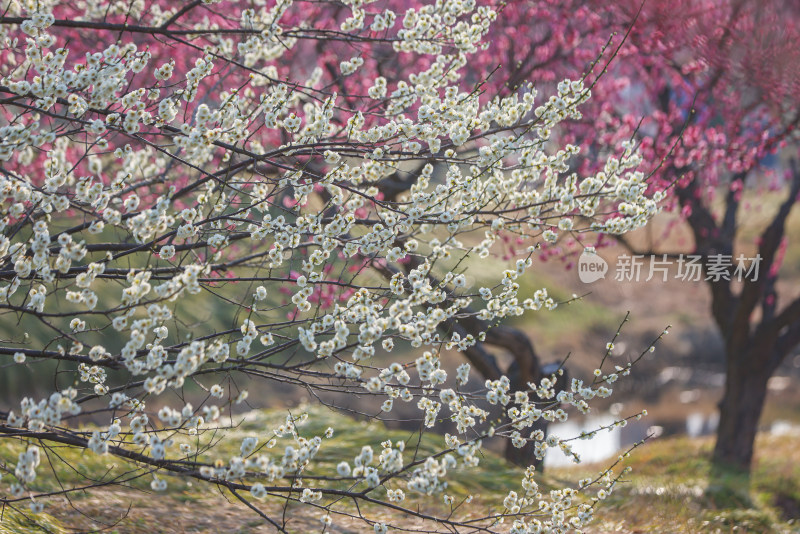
{"x":730,"y":69}
{"x":709,"y":90}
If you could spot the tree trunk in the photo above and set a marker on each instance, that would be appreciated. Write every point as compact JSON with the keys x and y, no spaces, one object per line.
{"x":525,"y":456}
{"x":740,"y":410}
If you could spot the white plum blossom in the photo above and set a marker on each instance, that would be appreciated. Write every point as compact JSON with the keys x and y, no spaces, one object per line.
{"x":207,"y":198}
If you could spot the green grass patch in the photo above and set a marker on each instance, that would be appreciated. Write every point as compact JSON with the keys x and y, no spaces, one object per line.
{"x":672,"y":487}
{"x":24,"y":522}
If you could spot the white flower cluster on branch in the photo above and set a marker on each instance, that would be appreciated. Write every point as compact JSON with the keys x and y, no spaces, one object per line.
{"x":211,"y":194}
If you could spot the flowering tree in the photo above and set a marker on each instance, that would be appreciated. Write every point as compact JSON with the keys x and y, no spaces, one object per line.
{"x":710,"y":90}
{"x":319,"y":175}
{"x":734,"y":63}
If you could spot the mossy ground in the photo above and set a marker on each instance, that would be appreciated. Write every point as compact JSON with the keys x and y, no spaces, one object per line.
{"x":670,"y":489}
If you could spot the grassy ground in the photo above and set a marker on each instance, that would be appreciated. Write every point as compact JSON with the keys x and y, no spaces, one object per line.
{"x":193,"y":507}
{"x":671,"y":489}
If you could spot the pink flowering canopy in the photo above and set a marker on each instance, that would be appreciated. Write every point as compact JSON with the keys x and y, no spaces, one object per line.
{"x":710,"y":91}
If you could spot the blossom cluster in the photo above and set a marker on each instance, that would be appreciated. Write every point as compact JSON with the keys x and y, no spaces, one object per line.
{"x":181,"y":213}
